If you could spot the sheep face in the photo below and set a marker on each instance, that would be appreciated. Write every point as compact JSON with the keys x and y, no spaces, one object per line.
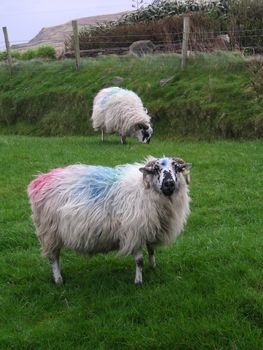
{"x":163,"y":174}
{"x":143,"y":133}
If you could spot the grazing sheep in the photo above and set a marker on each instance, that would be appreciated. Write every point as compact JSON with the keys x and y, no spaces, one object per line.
{"x":96,"y":209}
{"x":120,"y":110}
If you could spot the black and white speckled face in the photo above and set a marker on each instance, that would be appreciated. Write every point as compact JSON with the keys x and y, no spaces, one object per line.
{"x":165,"y":180}
{"x":163,"y":174}
{"x":144,"y":133}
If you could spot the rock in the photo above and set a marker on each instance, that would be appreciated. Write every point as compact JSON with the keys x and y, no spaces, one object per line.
{"x":142,"y":47}
{"x":165,"y":81}
{"x":116,"y":81}
{"x":60,"y":54}
{"x":222,"y":42}
{"x":224,"y":37}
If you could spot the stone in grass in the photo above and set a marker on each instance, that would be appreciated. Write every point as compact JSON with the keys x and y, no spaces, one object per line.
{"x":116,"y":81}
{"x":142,"y":47}
{"x":166,"y":80}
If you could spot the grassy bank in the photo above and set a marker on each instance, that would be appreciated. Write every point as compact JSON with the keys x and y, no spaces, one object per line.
{"x":213,"y":97}
{"x":206,"y":292}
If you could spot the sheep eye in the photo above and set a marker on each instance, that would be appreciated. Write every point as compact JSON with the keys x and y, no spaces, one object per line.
{"x":156,"y":169}
{"x":174,"y":164}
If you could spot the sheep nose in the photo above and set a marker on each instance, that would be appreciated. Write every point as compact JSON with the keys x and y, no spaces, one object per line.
{"x":168,"y":187}
{"x":169,"y":184}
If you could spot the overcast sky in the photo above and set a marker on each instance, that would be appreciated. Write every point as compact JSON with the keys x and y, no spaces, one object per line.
{"x":25,"y":18}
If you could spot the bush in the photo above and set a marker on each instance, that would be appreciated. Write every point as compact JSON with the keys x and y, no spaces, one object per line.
{"x":39,"y":52}
{"x":3,"y":56}
{"x":241,"y":19}
{"x":28,"y":55}
{"x":14,"y":54}
{"x":46,"y":52}
{"x":155,"y":22}
{"x":245,"y":20}
{"x":163,"y":32}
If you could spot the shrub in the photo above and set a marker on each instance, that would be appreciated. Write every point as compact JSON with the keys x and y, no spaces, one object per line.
{"x":46,"y":52}
{"x":28,"y":55}
{"x":164,"y":32}
{"x":3,"y":56}
{"x":14,"y":54}
{"x":241,"y":19}
{"x":39,"y":52}
{"x":245,"y":20}
{"x":154,"y":22}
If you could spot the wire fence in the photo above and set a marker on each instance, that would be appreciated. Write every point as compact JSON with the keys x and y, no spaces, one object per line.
{"x":195,"y":38}
{"x":244,"y":32}
{"x":247,"y":41}
{"x":159,"y":37}
{"x":172,"y":41}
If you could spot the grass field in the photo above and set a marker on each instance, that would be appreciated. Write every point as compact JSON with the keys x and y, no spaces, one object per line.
{"x":217,"y":95}
{"x":207,"y":290}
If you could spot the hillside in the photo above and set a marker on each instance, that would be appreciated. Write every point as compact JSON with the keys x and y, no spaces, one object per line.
{"x":56,"y":35}
{"x":218,"y":95}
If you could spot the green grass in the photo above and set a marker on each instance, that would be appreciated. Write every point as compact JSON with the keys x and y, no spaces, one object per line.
{"x":214,"y":97}
{"x":39,"y":52}
{"x":207,"y":290}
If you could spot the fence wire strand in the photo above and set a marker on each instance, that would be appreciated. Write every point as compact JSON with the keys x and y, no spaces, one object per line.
{"x":245,"y":39}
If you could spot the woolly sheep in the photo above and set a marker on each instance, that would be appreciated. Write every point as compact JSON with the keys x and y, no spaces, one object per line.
{"x":96,"y":209}
{"x":121,"y":111}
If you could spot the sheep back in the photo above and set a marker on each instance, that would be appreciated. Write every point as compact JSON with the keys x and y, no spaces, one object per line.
{"x":118,"y":110}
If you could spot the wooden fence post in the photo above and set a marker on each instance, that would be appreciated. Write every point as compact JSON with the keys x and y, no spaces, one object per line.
{"x":7,"y":47}
{"x":186,"y":32}
{"x":76,"y":43}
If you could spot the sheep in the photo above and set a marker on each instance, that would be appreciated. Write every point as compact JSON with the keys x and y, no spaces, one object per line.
{"x":95,"y":209}
{"x":121,"y":111}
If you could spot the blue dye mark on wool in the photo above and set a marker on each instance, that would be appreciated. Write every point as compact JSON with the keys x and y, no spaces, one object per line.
{"x":164,"y":162}
{"x":102,"y":181}
{"x":97,"y":182}
{"x":111,"y":92}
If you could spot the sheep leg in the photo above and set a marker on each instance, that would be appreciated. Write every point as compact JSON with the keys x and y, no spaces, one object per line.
{"x":54,"y":261}
{"x":138,"y":257}
{"x":102,"y":135}
{"x":152,"y":261}
{"x":123,"y":140}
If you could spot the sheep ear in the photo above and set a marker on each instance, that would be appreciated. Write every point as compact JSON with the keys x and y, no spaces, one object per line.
{"x":182,"y":165}
{"x":187,"y":165}
{"x":146,"y":177}
{"x":146,"y":170}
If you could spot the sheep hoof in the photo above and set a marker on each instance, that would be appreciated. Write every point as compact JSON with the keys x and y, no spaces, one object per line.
{"x":152,"y":262}
{"x":153,"y":266}
{"x":138,"y":282}
{"x":59,"y":280}
{"x":123,"y":140}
